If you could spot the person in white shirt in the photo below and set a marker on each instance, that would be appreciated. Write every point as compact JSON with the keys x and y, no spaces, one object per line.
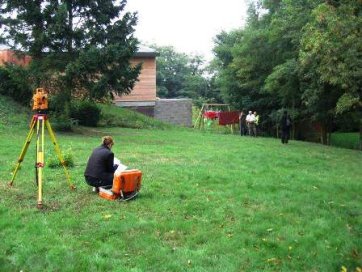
{"x":250,"y":122}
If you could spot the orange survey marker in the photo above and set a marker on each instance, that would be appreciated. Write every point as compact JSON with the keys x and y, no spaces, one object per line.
{"x":126,"y":185}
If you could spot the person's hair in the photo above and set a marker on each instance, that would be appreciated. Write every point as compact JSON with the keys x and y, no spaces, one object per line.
{"x":106,"y":140}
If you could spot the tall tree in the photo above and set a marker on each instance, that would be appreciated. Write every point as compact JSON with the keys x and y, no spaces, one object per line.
{"x":180,"y":75}
{"x":331,"y":60}
{"x":78,"y":47}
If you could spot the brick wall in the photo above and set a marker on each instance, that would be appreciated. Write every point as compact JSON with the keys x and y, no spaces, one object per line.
{"x":174,"y":111}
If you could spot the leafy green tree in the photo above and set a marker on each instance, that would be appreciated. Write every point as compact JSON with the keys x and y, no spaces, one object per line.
{"x":331,"y":62}
{"x":78,"y":48}
{"x":225,"y":71}
{"x":180,"y":75}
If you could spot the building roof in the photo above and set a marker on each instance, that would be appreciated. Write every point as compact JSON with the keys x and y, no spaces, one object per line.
{"x":3,"y":47}
{"x":144,"y":51}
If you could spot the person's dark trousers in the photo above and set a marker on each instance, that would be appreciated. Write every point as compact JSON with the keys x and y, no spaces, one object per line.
{"x":285,"y":136}
{"x":242,"y":130}
{"x":105,"y":180}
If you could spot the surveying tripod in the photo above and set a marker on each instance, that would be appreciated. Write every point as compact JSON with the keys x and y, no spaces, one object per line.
{"x":38,"y":123}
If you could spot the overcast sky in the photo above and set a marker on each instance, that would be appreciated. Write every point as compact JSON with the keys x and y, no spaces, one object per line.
{"x":187,"y":25}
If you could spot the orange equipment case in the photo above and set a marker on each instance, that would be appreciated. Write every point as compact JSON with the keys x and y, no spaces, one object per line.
{"x":126,"y":185}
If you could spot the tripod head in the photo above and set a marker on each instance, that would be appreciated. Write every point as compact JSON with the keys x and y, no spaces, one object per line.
{"x":40,"y":100}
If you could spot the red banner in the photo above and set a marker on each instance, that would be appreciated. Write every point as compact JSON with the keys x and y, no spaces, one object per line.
{"x":228,"y":118}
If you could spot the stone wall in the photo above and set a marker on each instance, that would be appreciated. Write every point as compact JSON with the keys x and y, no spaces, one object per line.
{"x":174,"y":111}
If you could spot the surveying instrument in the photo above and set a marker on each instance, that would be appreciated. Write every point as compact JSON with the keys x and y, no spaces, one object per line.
{"x":38,"y":123}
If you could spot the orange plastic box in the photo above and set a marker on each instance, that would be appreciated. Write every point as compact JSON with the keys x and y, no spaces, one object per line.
{"x":126,"y":185}
{"x":107,"y":194}
{"x":127,"y":181}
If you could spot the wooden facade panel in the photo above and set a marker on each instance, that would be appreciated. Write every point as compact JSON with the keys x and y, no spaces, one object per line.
{"x":145,"y":88}
{"x":147,"y":63}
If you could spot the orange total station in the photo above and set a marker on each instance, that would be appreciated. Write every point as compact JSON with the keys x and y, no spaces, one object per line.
{"x":40,"y":100}
{"x":126,"y":185}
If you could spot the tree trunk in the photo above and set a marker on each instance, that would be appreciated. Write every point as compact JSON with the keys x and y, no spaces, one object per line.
{"x":360,"y":134}
{"x":324,"y":136}
{"x":70,"y":27}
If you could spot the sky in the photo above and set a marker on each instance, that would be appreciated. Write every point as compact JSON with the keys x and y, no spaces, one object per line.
{"x":187,"y":25}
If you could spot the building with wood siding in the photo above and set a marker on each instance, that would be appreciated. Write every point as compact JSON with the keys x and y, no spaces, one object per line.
{"x":9,"y":56}
{"x":143,"y":96}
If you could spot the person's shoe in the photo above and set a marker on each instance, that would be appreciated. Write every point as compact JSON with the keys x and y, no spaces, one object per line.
{"x":95,"y":189}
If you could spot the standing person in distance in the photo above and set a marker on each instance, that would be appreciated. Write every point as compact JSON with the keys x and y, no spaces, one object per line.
{"x":250,"y":121}
{"x":285,"y":124}
{"x":100,"y":167}
{"x":242,"y":123}
{"x":256,"y":123}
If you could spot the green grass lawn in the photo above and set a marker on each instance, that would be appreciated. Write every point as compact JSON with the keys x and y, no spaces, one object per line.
{"x":209,"y":202}
{"x":345,"y":140}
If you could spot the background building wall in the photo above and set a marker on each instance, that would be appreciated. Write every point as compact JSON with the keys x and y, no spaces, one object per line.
{"x":174,"y":111}
{"x":9,"y":56}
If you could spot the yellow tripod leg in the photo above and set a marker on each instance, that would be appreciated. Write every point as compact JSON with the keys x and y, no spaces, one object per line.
{"x":59,"y":154}
{"x":23,"y":151}
{"x":40,"y":158}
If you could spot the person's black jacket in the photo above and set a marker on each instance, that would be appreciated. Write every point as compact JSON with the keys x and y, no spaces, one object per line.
{"x":100,"y":163}
{"x":285,"y":122}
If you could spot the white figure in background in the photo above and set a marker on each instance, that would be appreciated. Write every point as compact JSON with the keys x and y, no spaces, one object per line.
{"x":250,"y":121}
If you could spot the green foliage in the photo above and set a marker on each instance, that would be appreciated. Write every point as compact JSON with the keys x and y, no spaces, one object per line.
{"x":88,"y":45}
{"x":180,"y":75}
{"x":86,"y":112}
{"x":302,"y":55}
{"x":68,"y":158}
{"x":331,"y":54}
{"x":61,"y":122}
{"x":13,"y":114}
{"x":14,"y":83}
{"x":284,"y":82}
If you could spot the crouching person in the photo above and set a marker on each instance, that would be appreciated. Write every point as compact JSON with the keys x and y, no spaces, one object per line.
{"x":100,"y":168}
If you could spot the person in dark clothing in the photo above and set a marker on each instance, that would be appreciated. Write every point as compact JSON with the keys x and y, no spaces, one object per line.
{"x":100,"y":169}
{"x":242,"y":123}
{"x":285,"y":124}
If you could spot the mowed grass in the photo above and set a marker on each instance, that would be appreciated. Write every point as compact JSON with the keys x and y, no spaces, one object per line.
{"x":208,"y":202}
{"x":345,"y":140}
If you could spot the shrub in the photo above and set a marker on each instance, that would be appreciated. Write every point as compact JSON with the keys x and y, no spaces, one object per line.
{"x":61,"y":123}
{"x":86,"y":112}
{"x":14,"y":83}
{"x":53,"y":161}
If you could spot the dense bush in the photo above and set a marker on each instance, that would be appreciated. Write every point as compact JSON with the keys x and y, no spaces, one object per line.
{"x":86,"y":112}
{"x":14,"y":83}
{"x":53,"y":161}
{"x":61,"y":122}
